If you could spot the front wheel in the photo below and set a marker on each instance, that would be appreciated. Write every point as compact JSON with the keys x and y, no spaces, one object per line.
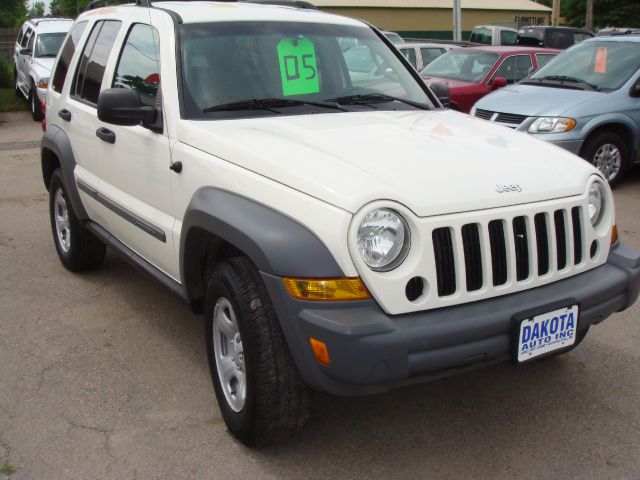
{"x":259,"y":390}
{"x":34,"y":104}
{"x":608,"y":152}
{"x":77,"y":247}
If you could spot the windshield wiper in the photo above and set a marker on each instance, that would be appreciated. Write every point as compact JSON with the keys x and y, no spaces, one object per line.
{"x":565,"y":78}
{"x":44,"y":55}
{"x":370,"y":98}
{"x":269,"y":104}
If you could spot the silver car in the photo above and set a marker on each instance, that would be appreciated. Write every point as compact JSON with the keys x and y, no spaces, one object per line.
{"x":586,"y":100}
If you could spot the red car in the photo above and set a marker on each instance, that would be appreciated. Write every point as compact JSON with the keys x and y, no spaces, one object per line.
{"x":472,"y":73}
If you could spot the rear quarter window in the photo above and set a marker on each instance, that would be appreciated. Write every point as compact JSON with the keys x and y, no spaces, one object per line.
{"x":66,"y":54}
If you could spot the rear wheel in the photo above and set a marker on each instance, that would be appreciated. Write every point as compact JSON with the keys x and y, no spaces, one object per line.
{"x":609,"y":153}
{"x":259,"y":390}
{"x":77,"y":247}
{"x":34,"y":104}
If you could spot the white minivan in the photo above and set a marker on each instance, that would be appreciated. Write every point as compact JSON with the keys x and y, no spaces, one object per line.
{"x":494,"y":35}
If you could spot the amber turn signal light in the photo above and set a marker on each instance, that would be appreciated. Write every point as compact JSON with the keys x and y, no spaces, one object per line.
{"x":614,"y":235}
{"x":320,"y":351}
{"x":327,"y":289}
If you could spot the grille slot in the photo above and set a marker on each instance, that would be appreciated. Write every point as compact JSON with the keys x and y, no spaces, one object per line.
{"x":444,"y":257}
{"x":484,"y":114}
{"x":472,"y":256}
{"x":561,"y":240}
{"x":577,"y":235}
{"x":542,"y":242}
{"x":495,"y":253}
{"x":521,"y":242}
{"x":498,"y":252}
{"x":511,"y":118}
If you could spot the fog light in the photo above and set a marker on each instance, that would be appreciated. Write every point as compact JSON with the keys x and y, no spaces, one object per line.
{"x":320,"y":351}
{"x":327,"y":289}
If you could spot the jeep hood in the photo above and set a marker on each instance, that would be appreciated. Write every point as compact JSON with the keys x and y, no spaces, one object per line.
{"x":433,"y":162}
{"x":534,"y":101}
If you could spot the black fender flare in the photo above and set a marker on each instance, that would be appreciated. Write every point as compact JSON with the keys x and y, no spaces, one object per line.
{"x":275,"y":243}
{"x":55,"y":140}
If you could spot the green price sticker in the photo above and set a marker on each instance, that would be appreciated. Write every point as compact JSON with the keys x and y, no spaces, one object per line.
{"x":298,"y":66}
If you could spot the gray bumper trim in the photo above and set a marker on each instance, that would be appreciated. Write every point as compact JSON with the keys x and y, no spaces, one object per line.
{"x":372,"y":351}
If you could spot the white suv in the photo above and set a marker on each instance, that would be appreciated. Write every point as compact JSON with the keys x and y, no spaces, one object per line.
{"x":37,"y":45}
{"x":339,"y":232}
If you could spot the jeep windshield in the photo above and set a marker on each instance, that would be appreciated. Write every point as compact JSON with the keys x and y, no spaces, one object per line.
{"x":463,"y":65}
{"x":249,"y":69}
{"x":48,"y":44}
{"x":593,"y":65}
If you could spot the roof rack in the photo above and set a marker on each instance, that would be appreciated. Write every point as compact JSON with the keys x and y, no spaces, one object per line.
{"x":147,"y":3}
{"x":37,"y":20}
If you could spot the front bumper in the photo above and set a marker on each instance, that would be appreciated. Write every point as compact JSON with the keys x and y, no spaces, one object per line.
{"x":372,"y":351}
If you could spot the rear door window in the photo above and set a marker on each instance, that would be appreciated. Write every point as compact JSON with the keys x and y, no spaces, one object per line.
{"x":93,"y":61}
{"x":68,"y":49}
{"x":543,"y":58}
{"x":26,"y":38}
{"x":514,"y":68}
{"x":139,"y":64}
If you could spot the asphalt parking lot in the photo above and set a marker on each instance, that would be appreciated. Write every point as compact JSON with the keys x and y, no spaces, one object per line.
{"x":104,"y":375}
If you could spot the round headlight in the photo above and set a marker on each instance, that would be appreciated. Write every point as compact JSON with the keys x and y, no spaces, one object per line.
{"x":383,"y":240}
{"x":596,"y":202}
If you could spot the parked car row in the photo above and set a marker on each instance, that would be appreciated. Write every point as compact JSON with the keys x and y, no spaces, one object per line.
{"x":587,"y":101}
{"x":37,"y":45}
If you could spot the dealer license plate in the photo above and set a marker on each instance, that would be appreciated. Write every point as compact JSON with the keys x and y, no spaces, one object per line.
{"x":547,"y":332}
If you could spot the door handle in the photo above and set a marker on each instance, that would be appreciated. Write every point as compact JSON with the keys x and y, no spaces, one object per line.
{"x":106,"y":135}
{"x":65,"y":115}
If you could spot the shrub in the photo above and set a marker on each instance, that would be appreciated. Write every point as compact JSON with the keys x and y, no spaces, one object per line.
{"x":6,"y":74}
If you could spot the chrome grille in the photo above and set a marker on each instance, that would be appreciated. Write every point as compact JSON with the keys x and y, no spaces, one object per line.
{"x":515,"y":249}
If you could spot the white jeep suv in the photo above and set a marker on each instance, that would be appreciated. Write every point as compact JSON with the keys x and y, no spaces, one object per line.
{"x":340,"y":232}
{"x":37,"y":45}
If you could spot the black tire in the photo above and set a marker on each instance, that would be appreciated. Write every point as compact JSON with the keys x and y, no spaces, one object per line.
{"x":84,"y":251}
{"x":34,"y":105}
{"x":597,"y":142}
{"x":277,"y":402}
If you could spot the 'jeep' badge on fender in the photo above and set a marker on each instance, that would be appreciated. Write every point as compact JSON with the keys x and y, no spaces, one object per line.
{"x":508,"y":188}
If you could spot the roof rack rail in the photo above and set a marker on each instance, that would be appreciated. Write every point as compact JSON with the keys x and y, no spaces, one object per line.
{"x":147,"y":3}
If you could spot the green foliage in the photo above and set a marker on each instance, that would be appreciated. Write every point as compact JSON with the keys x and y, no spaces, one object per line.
{"x":67,"y":8}
{"x":37,"y":10}
{"x":606,"y":13}
{"x":12,"y":13}
{"x":7,"y":469}
{"x":6,"y":74}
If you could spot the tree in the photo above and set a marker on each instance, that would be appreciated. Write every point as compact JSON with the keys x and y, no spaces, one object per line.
{"x":606,"y":13}
{"x":13,"y":14}
{"x":36,"y":10}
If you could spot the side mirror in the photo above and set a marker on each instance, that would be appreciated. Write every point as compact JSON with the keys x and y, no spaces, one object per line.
{"x":122,"y":106}
{"x":25,"y":51}
{"x":635,"y":90}
{"x":443,"y":93}
{"x":497,"y":82}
